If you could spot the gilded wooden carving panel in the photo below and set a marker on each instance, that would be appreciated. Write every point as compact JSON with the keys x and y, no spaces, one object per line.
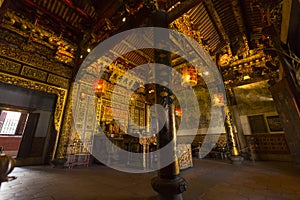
{"x":34,"y":73}
{"x":57,"y":80}
{"x":31,"y":59}
{"x":9,"y":66}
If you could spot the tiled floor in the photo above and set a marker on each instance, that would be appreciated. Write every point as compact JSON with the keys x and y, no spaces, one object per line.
{"x":208,"y":180}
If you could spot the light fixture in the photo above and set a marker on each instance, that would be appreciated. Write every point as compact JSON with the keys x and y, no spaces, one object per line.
{"x":141,"y":89}
{"x":151,"y":91}
{"x":247,"y":77}
{"x":88,"y":50}
{"x":100,"y":87}
{"x":124,"y":19}
{"x":178,"y":112}
{"x":206,"y":73}
{"x":190,"y":76}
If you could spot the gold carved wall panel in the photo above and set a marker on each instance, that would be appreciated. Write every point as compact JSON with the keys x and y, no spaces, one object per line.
{"x":67,"y":122}
{"x":57,"y":80}
{"x":34,"y":73}
{"x":9,"y":66}
{"x":32,"y":59}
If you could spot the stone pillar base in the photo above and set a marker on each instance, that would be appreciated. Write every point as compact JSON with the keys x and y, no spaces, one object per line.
{"x":237,"y":160}
{"x":169,"y":189}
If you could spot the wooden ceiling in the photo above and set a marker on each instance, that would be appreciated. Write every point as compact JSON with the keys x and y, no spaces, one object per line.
{"x":225,"y":27}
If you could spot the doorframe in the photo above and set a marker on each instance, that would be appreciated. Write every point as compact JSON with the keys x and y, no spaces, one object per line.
{"x":34,"y":85}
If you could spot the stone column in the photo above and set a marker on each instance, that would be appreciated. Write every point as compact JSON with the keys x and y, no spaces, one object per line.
{"x":168,"y":184}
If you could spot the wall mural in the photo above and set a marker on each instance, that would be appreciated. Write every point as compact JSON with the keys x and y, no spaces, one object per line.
{"x":254,"y":98}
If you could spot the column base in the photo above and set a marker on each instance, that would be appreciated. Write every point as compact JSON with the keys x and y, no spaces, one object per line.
{"x":169,"y":189}
{"x":237,"y":160}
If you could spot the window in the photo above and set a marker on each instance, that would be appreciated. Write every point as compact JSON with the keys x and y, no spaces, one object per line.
{"x":10,"y":122}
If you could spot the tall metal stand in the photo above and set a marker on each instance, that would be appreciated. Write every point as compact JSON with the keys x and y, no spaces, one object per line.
{"x":235,"y":154}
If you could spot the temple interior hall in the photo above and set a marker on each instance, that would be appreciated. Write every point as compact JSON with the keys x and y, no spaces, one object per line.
{"x":149,"y":99}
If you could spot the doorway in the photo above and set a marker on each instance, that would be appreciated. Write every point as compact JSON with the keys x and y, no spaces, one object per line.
{"x":26,"y":124}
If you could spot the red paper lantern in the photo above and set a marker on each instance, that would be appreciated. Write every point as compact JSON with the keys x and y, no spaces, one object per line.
{"x":190,"y":76}
{"x":100,"y":87}
{"x":178,"y":112}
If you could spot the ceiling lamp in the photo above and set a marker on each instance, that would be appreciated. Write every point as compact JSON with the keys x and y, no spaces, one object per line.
{"x":190,"y":76}
{"x":100,"y":87}
{"x":141,"y":89}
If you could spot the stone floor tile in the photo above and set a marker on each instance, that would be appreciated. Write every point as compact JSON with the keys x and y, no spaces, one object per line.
{"x":208,"y":179}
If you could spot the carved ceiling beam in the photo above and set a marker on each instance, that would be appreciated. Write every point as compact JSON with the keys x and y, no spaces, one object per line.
{"x":107,"y":12}
{"x":1,"y":3}
{"x":217,"y":21}
{"x":45,"y":11}
{"x":141,"y":53}
{"x":291,"y":25}
{"x":182,"y":8}
{"x":3,"y":7}
{"x":286,"y":16}
{"x":260,"y":56}
{"x":240,"y":21}
{"x":79,"y":11}
{"x":122,"y":57}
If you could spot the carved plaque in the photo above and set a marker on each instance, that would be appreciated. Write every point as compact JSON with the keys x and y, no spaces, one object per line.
{"x":9,"y":66}
{"x":34,"y":73}
{"x":57,"y":80}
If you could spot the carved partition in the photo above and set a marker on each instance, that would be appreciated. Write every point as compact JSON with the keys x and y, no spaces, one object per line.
{"x":34,"y":85}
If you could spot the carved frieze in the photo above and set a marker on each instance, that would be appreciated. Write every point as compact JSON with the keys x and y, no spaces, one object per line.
{"x":11,"y":38}
{"x":31,"y":59}
{"x":32,"y":32}
{"x":34,"y":73}
{"x":26,"y":43}
{"x":57,"y":80}
{"x":9,"y":66}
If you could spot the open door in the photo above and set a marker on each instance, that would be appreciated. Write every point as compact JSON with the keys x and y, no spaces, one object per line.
{"x":24,"y":153}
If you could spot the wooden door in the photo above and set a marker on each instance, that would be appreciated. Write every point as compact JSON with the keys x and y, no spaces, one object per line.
{"x":27,"y":139}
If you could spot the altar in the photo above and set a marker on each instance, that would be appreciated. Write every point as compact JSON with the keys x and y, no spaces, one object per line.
{"x":144,"y":145}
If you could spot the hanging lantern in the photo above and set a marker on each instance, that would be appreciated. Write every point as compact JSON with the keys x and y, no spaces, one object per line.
{"x":100,"y":87}
{"x":190,"y":76}
{"x":178,"y":112}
